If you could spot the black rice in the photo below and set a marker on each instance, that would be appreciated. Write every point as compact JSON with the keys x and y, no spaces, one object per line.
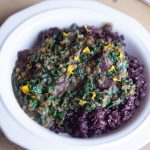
{"x":81,"y":123}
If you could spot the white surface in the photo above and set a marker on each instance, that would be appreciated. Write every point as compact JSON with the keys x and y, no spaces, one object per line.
{"x":27,"y":133}
{"x":147,"y":1}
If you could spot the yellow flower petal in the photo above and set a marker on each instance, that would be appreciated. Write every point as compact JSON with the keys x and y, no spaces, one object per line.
{"x":86,"y":50}
{"x":94,"y":95}
{"x":111,"y":69}
{"x":70,"y":69}
{"x":86,"y":28}
{"x":81,"y":102}
{"x":65,"y":34}
{"x":76,"y":58}
{"x":115,"y":79}
{"x":121,"y":55}
{"x":25,"y":89}
{"x":107,"y":47}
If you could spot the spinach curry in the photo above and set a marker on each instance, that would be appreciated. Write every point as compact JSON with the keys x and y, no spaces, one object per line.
{"x":72,"y":67}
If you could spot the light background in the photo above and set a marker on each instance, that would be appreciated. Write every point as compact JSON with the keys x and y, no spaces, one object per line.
{"x":134,"y":8}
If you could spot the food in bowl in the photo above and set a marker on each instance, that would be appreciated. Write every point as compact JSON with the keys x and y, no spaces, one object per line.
{"x":79,"y":80}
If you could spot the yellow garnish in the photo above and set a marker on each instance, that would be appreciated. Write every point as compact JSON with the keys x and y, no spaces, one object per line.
{"x":76,"y":58}
{"x":117,"y":50}
{"x":25,"y":89}
{"x":121,"y":55}
{"x":108,"y":46}
{"x":70,"y":69}
{"x":115,"y":79}
{"x":94,"y":95}
{"x":111,"y":69}
{"x":81,"y":102}
{"x":86,"y":28}
{"x":86,"y":50}
{"x":65,"y":34}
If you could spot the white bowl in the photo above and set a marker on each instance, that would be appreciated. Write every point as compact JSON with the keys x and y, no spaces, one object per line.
{"x":33,"y":136}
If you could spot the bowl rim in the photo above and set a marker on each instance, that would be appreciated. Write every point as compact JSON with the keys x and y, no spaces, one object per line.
{"x":9,"y":36}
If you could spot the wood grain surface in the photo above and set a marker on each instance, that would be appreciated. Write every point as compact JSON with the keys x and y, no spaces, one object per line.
{"x":134,"y":8}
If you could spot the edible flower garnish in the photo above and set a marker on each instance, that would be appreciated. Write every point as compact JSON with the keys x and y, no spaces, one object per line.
{"x":70,"y":70}
{"x":111,"y":69}
{"x":25,"y":89}
{"x":86,"y":50}
{"x":94,"y":95}
{"x":119,"y":52}
{"x":108,"y":46}
{"x":81,"y":102}
{"x":76,"y":58}
{"x":115,"y":79}
{"x":121,"y":55}
{"x":66,"y":34}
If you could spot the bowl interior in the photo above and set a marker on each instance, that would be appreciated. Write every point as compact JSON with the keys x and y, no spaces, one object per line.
{"x":25,"y":36}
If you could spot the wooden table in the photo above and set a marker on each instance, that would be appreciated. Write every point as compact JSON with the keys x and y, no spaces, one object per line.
{"x":134,"y":8}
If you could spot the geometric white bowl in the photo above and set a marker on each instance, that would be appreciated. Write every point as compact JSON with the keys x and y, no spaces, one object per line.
{"x":19,"y":128}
